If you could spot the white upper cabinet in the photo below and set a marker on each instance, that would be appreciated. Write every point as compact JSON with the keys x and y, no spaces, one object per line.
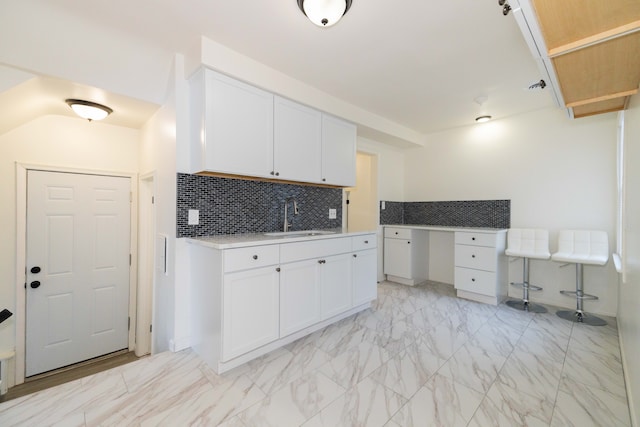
{"x":297,"y":141}
{"x":238,"y":129}
{"x":338,"y":151}
{"x":233,"y":126}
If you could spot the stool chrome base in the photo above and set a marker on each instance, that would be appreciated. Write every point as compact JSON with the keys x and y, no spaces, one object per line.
{"x":526,"y":306}
{"x":579,"y":317}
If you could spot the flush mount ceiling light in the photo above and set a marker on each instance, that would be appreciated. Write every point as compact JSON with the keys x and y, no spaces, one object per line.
{"x":324,"y":13}
{"x":480,"y":100}
{"x":88,"y":110}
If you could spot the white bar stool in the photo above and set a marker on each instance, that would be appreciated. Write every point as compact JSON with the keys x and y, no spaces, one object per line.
{"x":527,"y":243}
{"x":581,"y":247}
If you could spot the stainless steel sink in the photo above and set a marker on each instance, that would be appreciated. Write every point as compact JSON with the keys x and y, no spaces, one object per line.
{"x":299,"y":233}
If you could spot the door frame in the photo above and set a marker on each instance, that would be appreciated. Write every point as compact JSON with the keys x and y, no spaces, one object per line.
{"x":146,"y":263}
{"x":21,"y":252}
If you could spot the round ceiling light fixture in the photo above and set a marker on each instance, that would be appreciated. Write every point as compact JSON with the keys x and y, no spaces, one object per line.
{"x":483,"y":119}
{"x":88,"y":110}
{"x":324,"y":13}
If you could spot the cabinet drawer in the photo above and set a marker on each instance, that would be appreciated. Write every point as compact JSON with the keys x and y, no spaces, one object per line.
{"x":397,"y":233}
{"x":359,"y":243}
{"x":314,"y":249}
{"x":478,"y":281}
{"x":479,"y":257}
{"x":252,"y":257}
{"x":475,"y":239}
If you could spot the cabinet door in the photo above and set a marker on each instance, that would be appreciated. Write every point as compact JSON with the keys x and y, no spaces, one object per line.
{"x":250,"y":310}
{"x":397,"y":258}
{"x":299,"y":296}
{"x":365,"y":287}
{"x":335,"y":285}
{"x":238,"y":127}
{"x":338,"y":151}
{"x":297,"y":141}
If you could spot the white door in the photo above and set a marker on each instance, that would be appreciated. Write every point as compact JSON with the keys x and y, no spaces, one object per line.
{"x":335,"y":285}
{"x":299,"y":296}
{"x":338,"y":151}
{"x":297,"y":144}
{"x":78,"y":239}
{"x":251,"y":310}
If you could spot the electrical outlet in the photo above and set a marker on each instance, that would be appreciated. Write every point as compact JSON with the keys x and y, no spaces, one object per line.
{"x":194,"y":217}
{"x":332,"y":214}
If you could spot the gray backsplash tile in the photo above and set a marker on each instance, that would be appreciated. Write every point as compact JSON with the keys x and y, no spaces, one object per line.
{"x":470,"y":213}
{"x":232,"y":206}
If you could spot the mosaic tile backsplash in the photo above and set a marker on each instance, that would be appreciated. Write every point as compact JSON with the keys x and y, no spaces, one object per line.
{"x":232,"y":206}
{"x":472,"y":213}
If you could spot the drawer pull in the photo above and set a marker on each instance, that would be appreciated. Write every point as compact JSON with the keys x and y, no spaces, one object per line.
{"x":473,"y":280}
{"x":473,"y":256}
{"x":322,"y":261}
{"x":366,"y":242}
{"x":255,"y":257}
{"x":396,"y":233}
{"x":409,"y":242}
{"x":278,"y":269}
{"x":473,"y":238}
{"x":355,"y":255}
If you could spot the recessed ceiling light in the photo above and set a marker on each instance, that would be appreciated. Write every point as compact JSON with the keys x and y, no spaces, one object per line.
{"x":324,"y":13}
{"x":482,"y":119}
{"x":89,"y":110}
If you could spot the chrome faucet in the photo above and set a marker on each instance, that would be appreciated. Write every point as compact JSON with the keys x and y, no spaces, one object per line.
{"x":287,"y":224}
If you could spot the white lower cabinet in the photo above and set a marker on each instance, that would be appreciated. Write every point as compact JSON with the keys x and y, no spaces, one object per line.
{"x":299,"y":296}
{"x":480,"y":266}
{"x":251,"y":300}
{"x":364,"y":273}
{"x":251,"y":310}
{"x":335,"y":291}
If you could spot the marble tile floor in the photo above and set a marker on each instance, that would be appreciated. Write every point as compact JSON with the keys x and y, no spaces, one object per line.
{"x":419,"y":357}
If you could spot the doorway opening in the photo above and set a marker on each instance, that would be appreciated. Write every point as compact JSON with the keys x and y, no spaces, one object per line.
{"x":362,"y":200}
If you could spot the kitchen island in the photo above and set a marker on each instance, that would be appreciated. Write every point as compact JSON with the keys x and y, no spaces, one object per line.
{"x":253,"y":293}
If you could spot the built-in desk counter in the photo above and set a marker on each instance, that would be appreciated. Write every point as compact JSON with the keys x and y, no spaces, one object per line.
{"x":478,"y":264}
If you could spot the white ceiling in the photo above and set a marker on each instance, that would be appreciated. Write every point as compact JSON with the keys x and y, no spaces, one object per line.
{"x":419,"y":63}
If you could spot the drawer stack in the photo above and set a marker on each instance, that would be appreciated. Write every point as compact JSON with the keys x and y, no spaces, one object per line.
{"x":480,"y":266}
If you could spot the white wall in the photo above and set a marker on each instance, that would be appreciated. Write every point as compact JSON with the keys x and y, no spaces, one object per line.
{"x":628,"y":311}
{"x":558,"y":173}
{"x":164,"y":150}
{"x":52,"y":141}
{"x":40,"y":37}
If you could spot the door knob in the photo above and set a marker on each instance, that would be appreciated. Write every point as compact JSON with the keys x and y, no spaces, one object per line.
{"x":35,"y":284}
{"x":35,"y":270}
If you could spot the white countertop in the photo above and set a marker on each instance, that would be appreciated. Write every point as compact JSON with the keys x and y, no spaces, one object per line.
{"x":443,"y":228}
{"x":252,"y":239}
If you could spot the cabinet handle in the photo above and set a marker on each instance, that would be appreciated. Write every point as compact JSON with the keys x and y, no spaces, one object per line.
{"x":396,"y":233}
{"x":321,"y":261}
{"x":324,"y":179}
{"x":272,"y":172}
{"x":473,"y":280}
{"x":473,"y":238}
{"x":409,"y":242}
{"x":278,"y":269}
{"x":277,"y":173}
{"x":255,"y":257}
{"x":366,"y":242}
{"x":473,"y":256}
{"x":355,"y":255}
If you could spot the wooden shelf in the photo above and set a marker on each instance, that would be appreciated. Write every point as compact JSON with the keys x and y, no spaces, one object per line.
{"x":595,"y":49}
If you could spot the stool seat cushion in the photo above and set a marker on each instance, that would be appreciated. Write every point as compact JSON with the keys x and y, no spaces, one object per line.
{"x":528,"y":243}
{"x":582,"y":247}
